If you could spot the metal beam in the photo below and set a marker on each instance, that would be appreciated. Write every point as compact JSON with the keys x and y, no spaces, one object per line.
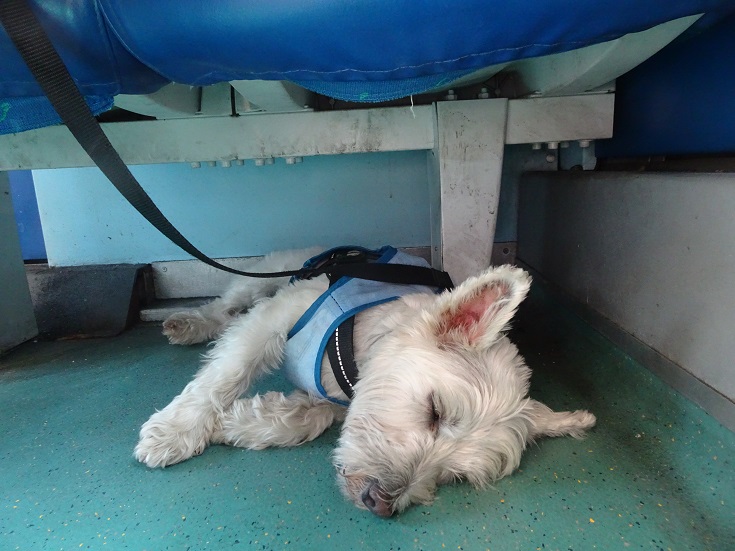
{"x":230,"y":138}
{"x":302,"y":134}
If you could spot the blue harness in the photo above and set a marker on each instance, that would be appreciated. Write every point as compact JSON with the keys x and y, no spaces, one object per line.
{"x":308,"y":339}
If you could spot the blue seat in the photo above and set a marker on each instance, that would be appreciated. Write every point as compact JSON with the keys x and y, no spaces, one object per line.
{"x":354,"y":50}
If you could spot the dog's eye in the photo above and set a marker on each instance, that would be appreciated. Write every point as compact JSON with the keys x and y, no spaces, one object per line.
{"x":436,"y":416}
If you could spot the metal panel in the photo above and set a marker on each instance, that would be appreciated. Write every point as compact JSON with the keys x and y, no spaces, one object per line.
{"x":585,"y":69}
{"x":465,"y":172}
{"x":274,"y":96}
{"x":654,"y":253}
{"x":517,"y":160}
{"x":559,"y":119}
{"x":17,"y":322}
{"x":238,"y":211}
{"x":177,"y":101}
{"x":717,"y":405}
{"x":170,"y":102}
{"x":191,"y":278}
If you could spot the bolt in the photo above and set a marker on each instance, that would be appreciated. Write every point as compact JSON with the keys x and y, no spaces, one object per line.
{"x":450,"y":95}
{"x":269,"y":160}
{"x":259,"y":162}
{"x":484,"y":94}
{"x":584,"y":143}
{"x":564,"y":145}
{"x":550,"y":158}
{"x":552,"y":145}
{"x":196,"y":164}
{"x":536,"y":146}
{"x":212,"y":163}
{"x":239,"y":162}
{"x":225,"y":164}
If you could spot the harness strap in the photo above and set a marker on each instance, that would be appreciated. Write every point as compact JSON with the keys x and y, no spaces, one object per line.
{"x":393,"y":273}
{"x":341,"y":354}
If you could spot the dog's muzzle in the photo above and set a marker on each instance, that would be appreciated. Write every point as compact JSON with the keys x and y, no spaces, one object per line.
{"x":376,"y":500}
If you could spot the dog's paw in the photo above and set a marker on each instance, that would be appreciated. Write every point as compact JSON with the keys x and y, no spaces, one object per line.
{"x":185,"y":328}
{"x":581,"y":420}
{"x":164,"y":442}
{"x":586,"y":419}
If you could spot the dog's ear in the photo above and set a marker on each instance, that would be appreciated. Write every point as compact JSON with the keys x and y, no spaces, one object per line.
{"x":476,"y":313}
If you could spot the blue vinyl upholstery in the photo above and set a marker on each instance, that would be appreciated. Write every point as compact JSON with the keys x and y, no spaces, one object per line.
{"x":363,"y":50}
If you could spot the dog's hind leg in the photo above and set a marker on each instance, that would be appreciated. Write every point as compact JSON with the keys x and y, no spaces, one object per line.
{"x":251,"y":346}
{"x":210,"y":320}
{"x":274,"y":419}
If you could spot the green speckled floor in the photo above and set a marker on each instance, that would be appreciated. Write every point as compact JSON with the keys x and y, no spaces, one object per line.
{"x":657,"y":472}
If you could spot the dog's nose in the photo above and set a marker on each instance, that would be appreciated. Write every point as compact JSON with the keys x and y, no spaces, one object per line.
{"x":374,"y":499}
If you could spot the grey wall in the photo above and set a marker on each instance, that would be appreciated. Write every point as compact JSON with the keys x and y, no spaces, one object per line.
{"x":652,"y":252}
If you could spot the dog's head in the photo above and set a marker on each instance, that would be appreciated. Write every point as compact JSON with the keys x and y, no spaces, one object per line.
{"x":442,"y":397}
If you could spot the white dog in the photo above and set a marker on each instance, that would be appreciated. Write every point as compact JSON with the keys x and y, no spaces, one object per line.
{"x":442,"y":393}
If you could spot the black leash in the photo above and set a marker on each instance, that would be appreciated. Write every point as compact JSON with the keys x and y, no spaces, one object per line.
{"x":49,"y":70}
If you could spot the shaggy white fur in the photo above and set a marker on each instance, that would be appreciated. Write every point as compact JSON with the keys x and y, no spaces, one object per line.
{"x":442,"y":394}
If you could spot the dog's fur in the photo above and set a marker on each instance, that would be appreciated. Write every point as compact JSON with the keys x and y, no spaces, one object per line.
{"x":442,"y":395}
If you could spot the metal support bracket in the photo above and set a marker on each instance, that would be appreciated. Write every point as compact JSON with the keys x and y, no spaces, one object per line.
{"x":465,"y":167}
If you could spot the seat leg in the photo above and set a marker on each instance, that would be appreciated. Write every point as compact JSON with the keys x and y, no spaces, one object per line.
{"x":464,"y":172}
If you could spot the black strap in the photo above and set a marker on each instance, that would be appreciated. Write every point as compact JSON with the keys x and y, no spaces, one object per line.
{"x":342,"y":356}
{"x":49,"y":70}
{"x":393,"y":273}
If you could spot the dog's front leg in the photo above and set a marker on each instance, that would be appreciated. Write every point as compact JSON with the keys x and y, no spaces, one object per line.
{"x":274,"y":419}
{"x":545,"y":422}
{"x":251,"y":346}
